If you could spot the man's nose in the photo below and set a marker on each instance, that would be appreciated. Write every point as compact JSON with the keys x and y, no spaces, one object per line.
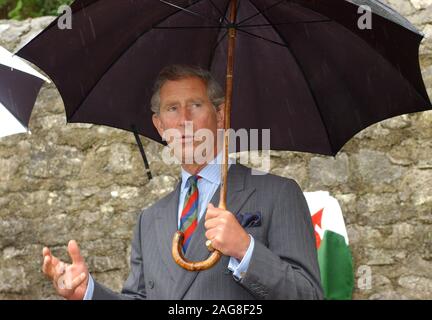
{"x":185,"y":115}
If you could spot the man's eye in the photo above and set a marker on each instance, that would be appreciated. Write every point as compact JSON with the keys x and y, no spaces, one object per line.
{"x":172,"y":108}
{"x":196,"y":104}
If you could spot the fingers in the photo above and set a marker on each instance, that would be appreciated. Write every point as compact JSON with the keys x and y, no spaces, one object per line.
{"x":49,"y":263}
{"x":216,"y":217}
{"x":46,"y":266}
{"x":216,"y":239}
{"x":66,"y":281}
{"x":213,"y":212}
{"x":79,"y":280}
{"x":211,"y":234}
{"x":46,"y":252}
{"x":74,"y":252}
{"x":211,"y":223}
{"x":60,"y":268}
{"x":52,"y":267}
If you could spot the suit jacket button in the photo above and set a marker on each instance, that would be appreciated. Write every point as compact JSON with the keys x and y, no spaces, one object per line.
{"x":151,"y":284}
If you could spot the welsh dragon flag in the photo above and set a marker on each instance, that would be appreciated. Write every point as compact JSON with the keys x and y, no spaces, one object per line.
{"x":334,"y":255}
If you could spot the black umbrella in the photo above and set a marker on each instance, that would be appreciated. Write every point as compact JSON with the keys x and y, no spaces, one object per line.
{"x":303,"y":68}
{"x":310,"y":74}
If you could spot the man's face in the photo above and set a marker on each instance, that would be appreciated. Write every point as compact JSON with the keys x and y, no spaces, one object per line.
{"x":185,"y":102}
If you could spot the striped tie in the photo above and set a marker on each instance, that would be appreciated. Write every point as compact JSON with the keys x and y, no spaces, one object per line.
{"x":189,"y":216}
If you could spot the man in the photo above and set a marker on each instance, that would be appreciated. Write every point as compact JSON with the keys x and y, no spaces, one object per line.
{"x":273,"y":258}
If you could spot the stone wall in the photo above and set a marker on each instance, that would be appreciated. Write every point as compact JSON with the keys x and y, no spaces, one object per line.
{"x":86,"y":182}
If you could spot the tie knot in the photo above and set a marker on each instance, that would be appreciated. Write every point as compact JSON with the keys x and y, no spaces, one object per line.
{"x":193,"y":180}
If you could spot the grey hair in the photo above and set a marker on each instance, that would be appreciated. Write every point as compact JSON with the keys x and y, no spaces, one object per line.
{"x":177,"y":72}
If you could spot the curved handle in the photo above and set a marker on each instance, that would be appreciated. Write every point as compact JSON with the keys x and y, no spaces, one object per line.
{"x":179,"y":258}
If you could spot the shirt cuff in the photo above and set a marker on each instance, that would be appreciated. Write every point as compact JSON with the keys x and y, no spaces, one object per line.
{"x":90,"y":288}
{"x":239,"y":269}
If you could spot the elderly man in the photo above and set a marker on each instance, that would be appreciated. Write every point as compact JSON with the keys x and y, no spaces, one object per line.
{"x":274,"y":257}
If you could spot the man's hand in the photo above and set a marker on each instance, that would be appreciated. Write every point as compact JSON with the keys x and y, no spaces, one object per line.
{"x":70,"y":280}
{"x":226,"y":233}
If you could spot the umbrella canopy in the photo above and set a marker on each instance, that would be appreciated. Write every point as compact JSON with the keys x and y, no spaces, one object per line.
{"x":19,"y":87}
{"x":302,"y":67}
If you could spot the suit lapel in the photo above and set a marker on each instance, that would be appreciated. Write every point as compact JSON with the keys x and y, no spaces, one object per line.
{"x":166,"y":226}
{"x":197,"y":251}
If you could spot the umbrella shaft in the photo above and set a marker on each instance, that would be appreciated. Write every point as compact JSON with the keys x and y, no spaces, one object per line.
{"x":228,"y":98}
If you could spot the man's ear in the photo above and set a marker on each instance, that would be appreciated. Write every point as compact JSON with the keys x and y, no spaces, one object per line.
{"x":220,"y":114}
{"x":158,"y":124}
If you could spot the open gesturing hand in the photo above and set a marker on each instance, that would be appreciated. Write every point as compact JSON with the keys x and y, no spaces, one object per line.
{"x":70,"y":280}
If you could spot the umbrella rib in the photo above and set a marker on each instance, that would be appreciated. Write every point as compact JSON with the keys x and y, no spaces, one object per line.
{"x":189,"y":27}
{"x":189,"y":11}
{"x":244,"y":26}
{"x":284,"y":23}
{"x":141,"y":149}
{"x":218,"y":41}
{"x":262,"y":38}
{"x":260,"y":12}
{"x":304,"y":77}
{"x":220,"y":12}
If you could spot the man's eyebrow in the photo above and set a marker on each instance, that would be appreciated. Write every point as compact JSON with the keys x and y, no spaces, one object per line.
{"x":170,"y":102}
{"x":194,"y":100}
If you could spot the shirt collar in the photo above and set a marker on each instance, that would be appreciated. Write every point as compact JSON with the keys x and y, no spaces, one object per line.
{"x":211,"y":172}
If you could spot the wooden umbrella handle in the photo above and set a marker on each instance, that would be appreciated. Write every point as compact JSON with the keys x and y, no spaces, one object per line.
{"x":180,"y":259}
{"x":177,"y":242}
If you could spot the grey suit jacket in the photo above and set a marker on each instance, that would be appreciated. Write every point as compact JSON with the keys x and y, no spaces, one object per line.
{"x":284,"y":260}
